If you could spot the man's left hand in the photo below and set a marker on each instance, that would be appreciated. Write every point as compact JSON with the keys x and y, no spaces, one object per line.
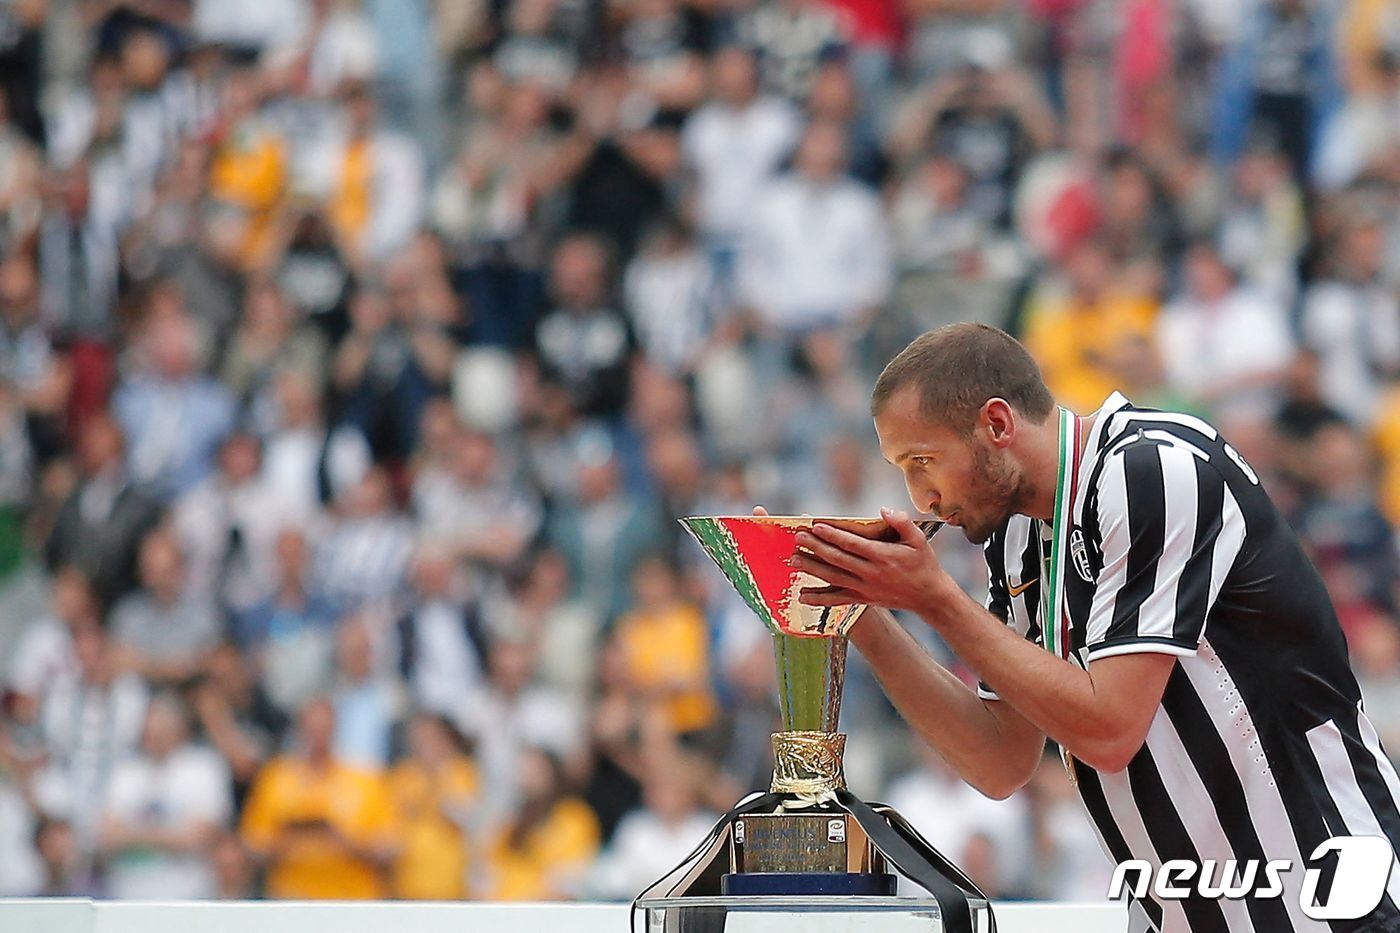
{"x":896,"y":569}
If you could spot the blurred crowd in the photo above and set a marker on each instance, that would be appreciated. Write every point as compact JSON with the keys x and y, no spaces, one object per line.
{"x":356,"y":357}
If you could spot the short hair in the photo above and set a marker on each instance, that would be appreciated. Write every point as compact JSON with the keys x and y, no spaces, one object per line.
{"x":957,"y":368}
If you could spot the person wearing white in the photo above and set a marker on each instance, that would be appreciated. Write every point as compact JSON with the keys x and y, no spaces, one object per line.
{"x":440,"y":664}
{"x":817,"y":254}
{"x":475,"y":504}
{"x":227,"y":526}
{"x":510,"y":715}
{"x":44,"y":653}
{"x":304,"y":461}
{"x":397,"y":186}
{"x":1352,"y":322}
{"x":89,"y":721}
{"x":1222,"y":343}
{"x":735,"y":143}
{"x":162,"y":808}
{"x":653,"y":838}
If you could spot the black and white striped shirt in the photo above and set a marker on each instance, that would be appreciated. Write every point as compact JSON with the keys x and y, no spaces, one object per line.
{"x":1260,"y":749}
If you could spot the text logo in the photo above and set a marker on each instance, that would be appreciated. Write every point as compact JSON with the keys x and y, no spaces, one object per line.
{"x":1362,"y":870}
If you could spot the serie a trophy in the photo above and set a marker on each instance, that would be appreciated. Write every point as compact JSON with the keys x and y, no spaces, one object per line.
{"x":808,"y":845}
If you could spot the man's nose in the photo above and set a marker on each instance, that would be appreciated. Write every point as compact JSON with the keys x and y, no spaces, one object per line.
{"x":923,"y":500}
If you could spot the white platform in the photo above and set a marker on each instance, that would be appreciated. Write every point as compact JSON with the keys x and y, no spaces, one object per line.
{"x":84,"y":916}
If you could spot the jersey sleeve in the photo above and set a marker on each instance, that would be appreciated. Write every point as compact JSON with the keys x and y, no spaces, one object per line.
{"x":1170,"y":530}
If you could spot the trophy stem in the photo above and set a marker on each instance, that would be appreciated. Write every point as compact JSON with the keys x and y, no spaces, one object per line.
{"x":811,"y":680}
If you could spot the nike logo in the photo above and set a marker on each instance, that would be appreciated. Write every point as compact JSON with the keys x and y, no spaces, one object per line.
{"x":1018,"y":590}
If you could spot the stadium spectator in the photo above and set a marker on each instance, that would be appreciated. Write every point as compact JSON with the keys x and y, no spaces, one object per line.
{"x":511,"y":715}
{"x":367,"y":705}
{"x":320,"y":827}
{"x":173,"y":417}
{"x":439,"y":653}
{"x":584,"y":344}
{"x":238,"y":719}
{"x":608,"y":529}
{"x":543,"y":851}
{"x":362,"y":558}
{"x":734,"y":144}
{"x":435,"y":787}
{"x":227,"y":526}
{"x":474,"y":505}
{"x":796,"y":281}
{"x":234,"y":875}
{"x":958,"y":821}
{"x":660,"y":832}
{"x":1223,"y":345}
{"x":162,"y":811}
{"x":100,"y":524}
{"x":1351,"y":319}
{"x":1077,"y":329}
{"x":164,"y":630}
{"x":90,"y":722}
{"x":64,"y":871}
{"x":665,"y":649}
{"x":1064,"y":846}
{"x":370,"y":180}
{"x":45,"y":652}
{"x":307,"y":461}
{"x":287,"y":635}
{"x":564,"y":631}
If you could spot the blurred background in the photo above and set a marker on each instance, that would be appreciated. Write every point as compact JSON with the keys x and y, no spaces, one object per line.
{"x":356,"y":357}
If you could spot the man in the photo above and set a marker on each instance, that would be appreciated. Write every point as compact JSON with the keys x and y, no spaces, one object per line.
{"x":163,"y":809}
{"x":100,"y":525}
{"x":322,"y":828}
{"x":1195,"y":674}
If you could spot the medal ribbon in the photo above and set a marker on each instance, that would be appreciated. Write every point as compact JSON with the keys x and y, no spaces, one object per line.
{"x":1054,"y":618}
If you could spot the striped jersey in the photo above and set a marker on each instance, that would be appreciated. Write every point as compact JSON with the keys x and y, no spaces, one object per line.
{"x":1260,"y":749}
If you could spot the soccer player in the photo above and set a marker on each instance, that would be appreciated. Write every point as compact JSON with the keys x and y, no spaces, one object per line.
{"x":1149,"y":610}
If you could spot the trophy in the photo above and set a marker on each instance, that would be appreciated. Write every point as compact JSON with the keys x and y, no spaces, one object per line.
{"x":808,"y":836}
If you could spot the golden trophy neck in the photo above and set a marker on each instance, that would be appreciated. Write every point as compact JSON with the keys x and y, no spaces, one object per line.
{"x":808,"y":764}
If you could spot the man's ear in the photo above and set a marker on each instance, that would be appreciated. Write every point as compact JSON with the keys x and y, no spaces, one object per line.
{"x":997,"y":420}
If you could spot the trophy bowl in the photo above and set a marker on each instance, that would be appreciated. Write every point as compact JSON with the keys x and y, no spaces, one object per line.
{"x":753,"y":553}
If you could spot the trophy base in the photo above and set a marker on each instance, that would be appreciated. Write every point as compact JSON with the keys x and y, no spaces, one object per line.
{"x":806,"y":914}
{"x":836,"y":883}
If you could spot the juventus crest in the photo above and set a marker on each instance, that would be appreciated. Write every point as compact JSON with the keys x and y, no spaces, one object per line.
{"x":1079,"y":554}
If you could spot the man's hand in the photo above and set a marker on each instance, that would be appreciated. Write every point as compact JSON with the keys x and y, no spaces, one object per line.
{"x":896,"y":569}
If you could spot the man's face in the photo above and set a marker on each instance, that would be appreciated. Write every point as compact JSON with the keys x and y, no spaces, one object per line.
{"x":962,"y":479}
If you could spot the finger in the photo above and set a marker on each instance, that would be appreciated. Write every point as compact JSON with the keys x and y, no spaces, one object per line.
{"x":832,"y":554}
{"x":871,"y":529}
{"x":829,"y":596}
{"x":864,"y":548}
{"x":823,"y":571}
{"x":760,"y":511}
{"x":904,"y":526}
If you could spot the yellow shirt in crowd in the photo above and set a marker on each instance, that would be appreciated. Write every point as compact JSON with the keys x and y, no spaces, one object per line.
{"x":667,"y":653}
{"x":349,"y":205}
{"x":560,"y":848}
{"x":1077,"y":344}
{"x":249,"y":171}
{"x":432,"y":863}
{"x":294,"y":811}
